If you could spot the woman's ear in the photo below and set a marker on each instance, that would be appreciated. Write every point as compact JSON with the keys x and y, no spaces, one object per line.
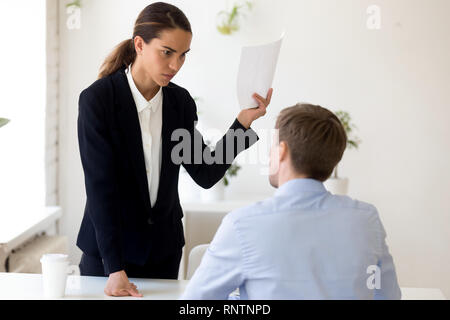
{"x":138,"y":44}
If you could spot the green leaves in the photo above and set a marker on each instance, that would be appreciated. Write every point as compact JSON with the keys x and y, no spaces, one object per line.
{"x":3,"y":121}
{"x":75,"y":3}
{"x":345,"y":118}
{"x":229,"y":22}
{"x":231,"y":172}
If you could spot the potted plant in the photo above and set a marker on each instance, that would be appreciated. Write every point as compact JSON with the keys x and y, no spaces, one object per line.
{"x":229,"y":20}
{"x":3,"y":122}
{"x":336,"y":184}
{"x":75,"y":3}
{"x":231,"y":172}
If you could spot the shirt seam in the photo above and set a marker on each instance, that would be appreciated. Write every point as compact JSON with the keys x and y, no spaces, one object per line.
{"x":242,"y":251}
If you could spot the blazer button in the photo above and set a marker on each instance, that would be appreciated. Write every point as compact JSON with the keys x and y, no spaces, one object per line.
{"x":150,"y":221}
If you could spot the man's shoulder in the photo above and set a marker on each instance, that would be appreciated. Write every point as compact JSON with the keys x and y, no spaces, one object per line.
{"x":343,"y":201}
{"x":332,"y":202}
{"x":252,"y":210}
{"x":349,"y":206}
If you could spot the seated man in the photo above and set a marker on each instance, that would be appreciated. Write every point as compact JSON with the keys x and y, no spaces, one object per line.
{"x":304,"y":242}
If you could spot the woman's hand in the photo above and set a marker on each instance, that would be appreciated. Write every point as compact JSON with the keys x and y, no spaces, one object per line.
{"x":119,"y":286}
{"x":247,"y":116}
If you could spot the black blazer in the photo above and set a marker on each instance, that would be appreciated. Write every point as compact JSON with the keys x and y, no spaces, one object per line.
{"x":119,"y":224}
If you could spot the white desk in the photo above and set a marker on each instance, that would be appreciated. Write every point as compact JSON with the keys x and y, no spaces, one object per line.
{"x":21,"y":223}
{"x":19,"y":286}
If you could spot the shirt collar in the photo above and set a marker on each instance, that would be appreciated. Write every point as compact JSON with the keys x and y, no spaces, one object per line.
{"x":141,"y":102}
{"x":295,"y":186}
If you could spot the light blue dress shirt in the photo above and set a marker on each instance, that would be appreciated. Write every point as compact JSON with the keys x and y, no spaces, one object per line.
{"x":303,"y":243}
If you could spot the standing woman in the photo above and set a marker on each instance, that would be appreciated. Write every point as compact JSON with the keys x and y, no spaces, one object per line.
{"x":132,"y":220}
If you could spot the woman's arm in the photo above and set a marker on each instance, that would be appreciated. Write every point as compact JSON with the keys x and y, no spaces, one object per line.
{"x":100,"y":179}
{"x":97,"y":158}
{"x":207,"y":167}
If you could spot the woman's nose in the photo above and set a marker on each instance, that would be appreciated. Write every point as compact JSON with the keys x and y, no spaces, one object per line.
{"x":175,"y":65}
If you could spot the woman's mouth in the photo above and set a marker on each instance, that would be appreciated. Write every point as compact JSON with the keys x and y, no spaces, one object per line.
{"x":168,"y":76}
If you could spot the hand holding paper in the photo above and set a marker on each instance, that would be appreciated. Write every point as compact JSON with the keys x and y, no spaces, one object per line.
{"x":256,"y":72}
{"x":247,"y":116}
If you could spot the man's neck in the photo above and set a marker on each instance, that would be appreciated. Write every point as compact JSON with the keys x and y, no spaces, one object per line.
{"x":144,"y":83}
{"x":290,"y":176}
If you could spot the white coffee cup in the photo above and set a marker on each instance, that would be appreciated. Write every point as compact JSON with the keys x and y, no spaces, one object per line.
{"x":55,"y":268}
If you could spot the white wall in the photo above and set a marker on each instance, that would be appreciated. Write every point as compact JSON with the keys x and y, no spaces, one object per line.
{"x":395,"y":82}
{"x":23,"y":138}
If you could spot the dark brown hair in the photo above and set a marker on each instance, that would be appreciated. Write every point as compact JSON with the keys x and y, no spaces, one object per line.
{"x":154,"y":19}
{"x":315,"y":137}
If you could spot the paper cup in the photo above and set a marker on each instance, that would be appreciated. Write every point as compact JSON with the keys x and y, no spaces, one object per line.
{"x":55,"y":268}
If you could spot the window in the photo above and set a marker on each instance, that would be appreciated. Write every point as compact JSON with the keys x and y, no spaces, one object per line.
{"x":23,"y":95}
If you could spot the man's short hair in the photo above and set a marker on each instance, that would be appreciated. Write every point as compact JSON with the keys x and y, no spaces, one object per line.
{"x":315,"y":137}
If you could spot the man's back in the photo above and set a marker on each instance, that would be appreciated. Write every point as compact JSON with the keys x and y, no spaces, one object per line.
{"x":303,"y":243}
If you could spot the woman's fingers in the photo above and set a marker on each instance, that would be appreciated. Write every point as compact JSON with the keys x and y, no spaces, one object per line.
{"x":127,"y":292}
{"x":130,"y":291}
{"x":269,"y":96}
{"x":133,"y":292}
{"x":264,"y":102}
{"x":118,"y":285}
{"x":257,"y":96}
{"x":117,"y":293}
{"x":247,"y":116}
{"x":122,"y":293}
{"x":261,"y":101}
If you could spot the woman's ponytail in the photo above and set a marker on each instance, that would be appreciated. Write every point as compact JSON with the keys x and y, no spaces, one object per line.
{"x":154,"y":19}
{"x":122,"y":55}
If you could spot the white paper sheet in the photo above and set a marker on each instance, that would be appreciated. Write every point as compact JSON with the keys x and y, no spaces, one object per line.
{"x":256,"y":72}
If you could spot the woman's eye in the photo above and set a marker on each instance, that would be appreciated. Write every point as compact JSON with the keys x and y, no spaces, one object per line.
{"x":167,"y":52}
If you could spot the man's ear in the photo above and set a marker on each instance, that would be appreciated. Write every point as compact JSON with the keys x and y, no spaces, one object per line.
{"x":283,"y":151}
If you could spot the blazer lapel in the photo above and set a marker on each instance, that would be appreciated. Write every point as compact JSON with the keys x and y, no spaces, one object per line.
{"x":169,"y":114}
{"x":129,"y":121}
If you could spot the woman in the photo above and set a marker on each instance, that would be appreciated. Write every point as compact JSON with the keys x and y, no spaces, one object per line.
{"x":132,"y":221}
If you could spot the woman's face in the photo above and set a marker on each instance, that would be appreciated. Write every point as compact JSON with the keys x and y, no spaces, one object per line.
{"x":163,"y":57}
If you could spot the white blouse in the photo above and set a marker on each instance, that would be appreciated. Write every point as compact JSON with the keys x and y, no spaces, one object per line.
{"x":150,"y":119}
